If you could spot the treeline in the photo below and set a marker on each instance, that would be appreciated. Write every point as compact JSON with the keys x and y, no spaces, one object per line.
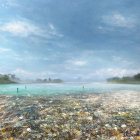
{"x":8,"y":79}
{"x":126,"y":79}
{"x":11,"y":78}
{"x":49,"y":80}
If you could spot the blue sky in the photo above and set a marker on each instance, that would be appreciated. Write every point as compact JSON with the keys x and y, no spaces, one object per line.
{"x":83,"y":40}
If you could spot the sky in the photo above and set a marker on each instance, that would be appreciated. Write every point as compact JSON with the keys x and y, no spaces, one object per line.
{"x":74,"y":40}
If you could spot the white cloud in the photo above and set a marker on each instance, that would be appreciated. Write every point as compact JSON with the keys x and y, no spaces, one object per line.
{"x":103,"y":74}
{"x":51,"y":26}
{"x":79,"y":63}
{"x":26,"y":29}
{"x":4,"y":50}
{"x":28,"y":74}
{"x":19,"y":59}
{"x":7,"y":3}
{"x":110,"y":72}
{"x":71,"y":64}
{"x":119,"y":20}
{"x":12,"y":3}
{"x":22,"y":29}
{"x":121,"y":60}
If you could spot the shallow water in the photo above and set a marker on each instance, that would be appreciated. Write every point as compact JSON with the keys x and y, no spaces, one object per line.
{"x":70,"y":112}
{"x":45,"y":89}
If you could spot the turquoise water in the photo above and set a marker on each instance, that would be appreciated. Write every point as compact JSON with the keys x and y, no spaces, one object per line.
{"x":39,"y":89}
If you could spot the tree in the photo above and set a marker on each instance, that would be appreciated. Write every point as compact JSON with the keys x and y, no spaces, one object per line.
{"x":127,"y":78}
{"x":6,"y":77}
{"x":13,"y":77}
{"x":57,"y":81}
{"x":114,"y":79}
{"x":39,"y":80}
{"x":49,"y":80}
{"x":137,"y":77}
{"x":45,"y":80}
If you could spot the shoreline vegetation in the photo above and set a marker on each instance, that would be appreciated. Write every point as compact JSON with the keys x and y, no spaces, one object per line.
{"x":12,"y":79}
{"x":125,"y":80}
{"x":8,"y":79}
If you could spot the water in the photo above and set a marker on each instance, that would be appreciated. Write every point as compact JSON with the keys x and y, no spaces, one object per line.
{"x":60,"y":112}
{"x":66,"y":88}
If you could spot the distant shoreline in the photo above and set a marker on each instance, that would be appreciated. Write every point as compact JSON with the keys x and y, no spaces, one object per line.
{"x":84,"y":83}
{"x":4,"y":83}
{"x":125,"y":79}
{"x":134,"y":83}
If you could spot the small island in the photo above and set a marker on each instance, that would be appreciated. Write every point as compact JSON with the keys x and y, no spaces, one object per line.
{"x":8,"y":79}
{"x":125,"y":80}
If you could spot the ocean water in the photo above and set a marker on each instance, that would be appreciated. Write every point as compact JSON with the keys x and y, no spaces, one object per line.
{"x":65,"y":88}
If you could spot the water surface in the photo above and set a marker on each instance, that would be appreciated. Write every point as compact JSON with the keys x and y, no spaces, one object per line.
{"x":66,"y":88}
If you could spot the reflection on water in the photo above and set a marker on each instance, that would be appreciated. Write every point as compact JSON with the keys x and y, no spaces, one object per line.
{"x":95,"y":112}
